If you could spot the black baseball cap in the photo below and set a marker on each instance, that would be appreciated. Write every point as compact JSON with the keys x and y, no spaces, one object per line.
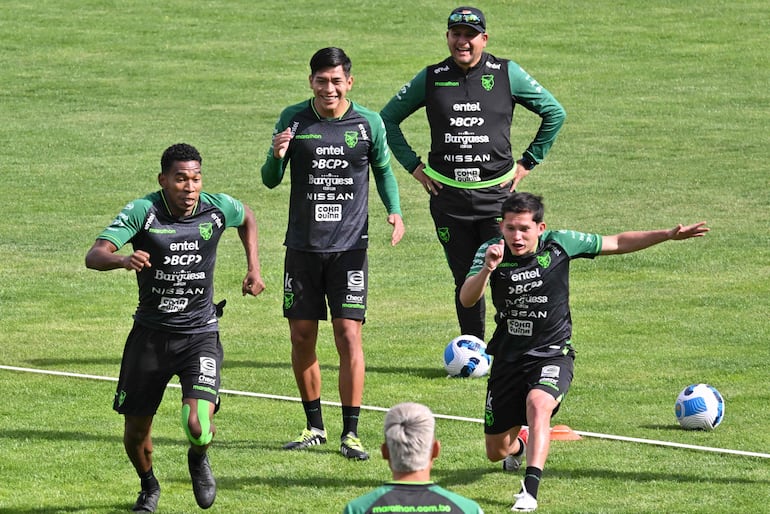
{"x":468,"y":16}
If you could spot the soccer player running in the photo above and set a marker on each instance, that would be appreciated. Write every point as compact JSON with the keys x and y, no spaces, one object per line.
{"x":410,"y":448}
{"x":330,"y":143}
{"x":528,"y":272}
{"x":174,"y":233}
{"x":469,"y":99}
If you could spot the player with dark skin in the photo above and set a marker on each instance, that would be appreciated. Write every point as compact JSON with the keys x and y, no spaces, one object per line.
{"x":181,"y":187}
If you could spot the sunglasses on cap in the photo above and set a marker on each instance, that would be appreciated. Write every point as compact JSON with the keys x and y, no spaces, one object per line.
{"x":464,"y":18}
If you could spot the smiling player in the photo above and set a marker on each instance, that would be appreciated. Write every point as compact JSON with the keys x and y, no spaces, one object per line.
{"x":329,"y":143}
{"x":469,"y":99}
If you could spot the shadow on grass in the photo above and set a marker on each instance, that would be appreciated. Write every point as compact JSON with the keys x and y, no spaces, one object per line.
{"x":107,"y":509}
{"x":80,"y":437}
{"x":671,"y":427}
{"x":649,"y":476}
{"x":432,"y":372}
{"x":114,"y":361}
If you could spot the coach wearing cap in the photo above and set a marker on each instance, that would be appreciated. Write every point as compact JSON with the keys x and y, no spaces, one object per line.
{"x":470,"y":169}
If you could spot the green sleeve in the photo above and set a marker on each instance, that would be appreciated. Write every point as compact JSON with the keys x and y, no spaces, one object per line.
{"x":387,"y":188}
{"x":535,"y":98}
{"x":576,"y":244}
{"x":480,"y":257}
{"x":231,"y":208}
{"x":379,"y":160}
{"x":273,"y":169}
{"x":128,"y":222}
{"x":408,"y":99}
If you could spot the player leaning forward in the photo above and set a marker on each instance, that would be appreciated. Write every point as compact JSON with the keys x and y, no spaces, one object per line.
{"x":174,"y":233}
{"x":330,"y":143}
{"x":528,"y":272}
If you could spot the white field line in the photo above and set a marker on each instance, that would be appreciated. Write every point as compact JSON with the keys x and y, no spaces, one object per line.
{"x":440,"y":416}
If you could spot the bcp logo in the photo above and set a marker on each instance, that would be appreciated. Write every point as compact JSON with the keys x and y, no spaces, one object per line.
{"x":461,"y":121}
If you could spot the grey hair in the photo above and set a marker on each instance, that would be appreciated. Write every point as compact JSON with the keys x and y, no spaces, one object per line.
{"x":409,"y":435}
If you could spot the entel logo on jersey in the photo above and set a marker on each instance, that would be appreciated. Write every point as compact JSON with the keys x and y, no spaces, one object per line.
{"x":330,"y":150}
{"x":467,"y":107}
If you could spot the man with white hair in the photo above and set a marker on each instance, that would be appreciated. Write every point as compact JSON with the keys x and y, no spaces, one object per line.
{"x":410,"y":448}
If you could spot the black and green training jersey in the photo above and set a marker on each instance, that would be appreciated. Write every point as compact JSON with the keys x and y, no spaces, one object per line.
{"x":402,"y":497}
{"x":176,"y":292}
{"x":470,"y":117}
{"x":329,"y":161}
{"x":531,"y":294}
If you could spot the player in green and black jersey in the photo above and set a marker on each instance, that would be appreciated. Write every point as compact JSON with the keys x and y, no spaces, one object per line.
{"x":329,"y":143}
{"x":469,"y":99}
{"x":410,"y":448}
{"x":174,"y":233}
{"x":528,"y":272}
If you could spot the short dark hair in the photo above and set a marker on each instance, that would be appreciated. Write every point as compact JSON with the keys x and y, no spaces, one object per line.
{"x":330,"y":57}
{"x":179,"y":152}
{"x":524,"y":202}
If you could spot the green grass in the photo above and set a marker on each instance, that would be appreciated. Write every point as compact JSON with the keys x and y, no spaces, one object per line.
{"x":668,"y":110}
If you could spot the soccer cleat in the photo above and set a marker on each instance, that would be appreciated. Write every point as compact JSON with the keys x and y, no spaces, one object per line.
{"x":147,"y":501}
{"x":308,"y":437}
{"x":351,"y":447}
{"x":203,"y":483}
{"x":513,"y":462}
{"x":525,"y":502}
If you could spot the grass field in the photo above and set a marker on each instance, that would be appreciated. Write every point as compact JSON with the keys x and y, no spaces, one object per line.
{"x":668,"y":110}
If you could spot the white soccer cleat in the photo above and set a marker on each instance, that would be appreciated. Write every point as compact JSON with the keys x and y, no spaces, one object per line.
{"x":525,"y":502}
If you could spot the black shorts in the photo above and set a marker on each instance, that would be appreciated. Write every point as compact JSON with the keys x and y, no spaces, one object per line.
{"x":151,"y":357}
{"x":510,"y":383}
{"x":310,"y":279}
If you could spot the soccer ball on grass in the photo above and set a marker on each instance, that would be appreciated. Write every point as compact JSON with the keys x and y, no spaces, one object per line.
{"x":699,"y":407}
{"x":466,"y":356}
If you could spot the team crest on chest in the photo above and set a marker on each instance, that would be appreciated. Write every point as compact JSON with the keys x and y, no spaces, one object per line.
{"x":351,"y":138}
{"x":488,"y":82}
{"x":206,"y":230}
{"x":544,"y":260}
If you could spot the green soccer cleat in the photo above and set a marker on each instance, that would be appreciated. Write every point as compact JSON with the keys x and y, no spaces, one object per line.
{"x":351,"y":447}
{"x":308,"y":437}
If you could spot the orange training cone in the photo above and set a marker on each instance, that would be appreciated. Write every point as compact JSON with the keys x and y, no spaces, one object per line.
{"x":563,"y":433}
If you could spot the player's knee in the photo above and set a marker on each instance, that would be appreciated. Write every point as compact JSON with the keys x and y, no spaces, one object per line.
{"x":136,"y":429}
{"x":197,"y":427}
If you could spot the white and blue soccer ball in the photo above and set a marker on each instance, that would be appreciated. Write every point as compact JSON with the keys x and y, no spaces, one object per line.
{"x":699,"y":407}
{"x":466,"y":356}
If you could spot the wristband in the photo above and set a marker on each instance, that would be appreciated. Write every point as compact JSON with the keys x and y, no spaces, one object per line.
{"x":527,"y":162}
